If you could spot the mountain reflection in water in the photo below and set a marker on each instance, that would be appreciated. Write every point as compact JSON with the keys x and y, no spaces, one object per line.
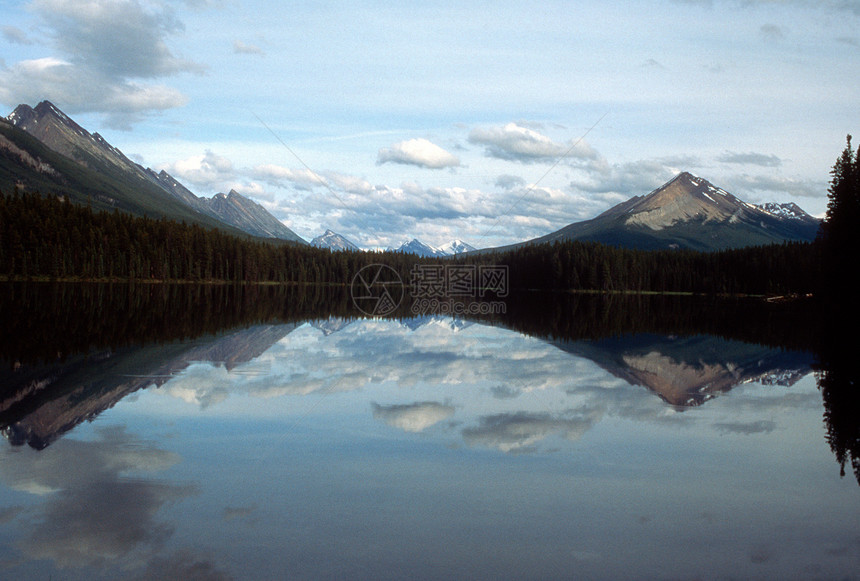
{"x":121,"y":401}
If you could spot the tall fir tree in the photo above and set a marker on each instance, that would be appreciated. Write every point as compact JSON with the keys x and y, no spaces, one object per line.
{"x":840,"y":231}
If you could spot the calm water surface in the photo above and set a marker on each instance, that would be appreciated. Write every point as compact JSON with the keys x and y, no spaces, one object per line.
{"x":303,"y":442}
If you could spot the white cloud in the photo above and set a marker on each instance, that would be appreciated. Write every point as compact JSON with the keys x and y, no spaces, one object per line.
{"x":209,"y":172}
{"x":419,"y":152}
{"x":415,"y":417}
{"x":109,"y":52}
{"x":513,"y":142}
{"x":119,"y":38}
{"x":630,"y":178}
{"x":76,"y":89}
{"x":521,"y":431}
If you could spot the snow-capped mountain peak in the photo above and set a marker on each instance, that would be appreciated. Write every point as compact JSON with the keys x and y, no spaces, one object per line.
{"x":788,"y":210}
{"x":418,"y":248}
{"x":456,"y":247}
{"x":333,"y":241}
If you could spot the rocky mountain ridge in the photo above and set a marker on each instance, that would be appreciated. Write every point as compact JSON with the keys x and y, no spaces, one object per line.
{"x":333,"y":241}
{"x":689,"y":212}
{"x":60,"y":133}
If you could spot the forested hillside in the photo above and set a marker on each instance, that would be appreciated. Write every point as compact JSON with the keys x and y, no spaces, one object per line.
{"x":46,"y":237}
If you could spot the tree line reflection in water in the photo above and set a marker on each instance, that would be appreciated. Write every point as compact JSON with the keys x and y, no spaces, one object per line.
{"x":52,"y":329}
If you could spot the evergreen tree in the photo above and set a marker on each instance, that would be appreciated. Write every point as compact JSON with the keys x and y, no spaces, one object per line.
{"x":840,"y":231}
{"x":843,"y":207}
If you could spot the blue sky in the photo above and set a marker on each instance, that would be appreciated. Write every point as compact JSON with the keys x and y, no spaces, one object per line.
{"x":488,"y":122}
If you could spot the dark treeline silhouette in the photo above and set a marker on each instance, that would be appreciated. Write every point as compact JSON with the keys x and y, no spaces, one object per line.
{"x":791,"y":267}
{"x":46,"y":322}
{"x":47,"y":238}
{"x":794,"y":325}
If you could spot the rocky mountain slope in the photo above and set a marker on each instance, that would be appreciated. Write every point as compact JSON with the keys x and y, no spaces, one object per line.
{"x":110,"y":179}
{"x":333,"y":241}
{"x":690,"y":212}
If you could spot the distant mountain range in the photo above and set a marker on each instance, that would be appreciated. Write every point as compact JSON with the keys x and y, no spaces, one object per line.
{"x":42,"y":149}
{"x":418,"y":248}
{"x":689,"y":212}
{"x":334,"y":241}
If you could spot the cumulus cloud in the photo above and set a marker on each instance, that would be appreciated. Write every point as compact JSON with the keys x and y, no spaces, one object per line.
{"x":208,"y":171}
{"x":627,"y":179}
{"x":513,"y":142}
{"x":120,"y":38}
{"x":521,"y":431}
{"x":109,"y":52}
{"x":419,"y":152}
{"x":77,"y":89}
{"x":415,"y":417}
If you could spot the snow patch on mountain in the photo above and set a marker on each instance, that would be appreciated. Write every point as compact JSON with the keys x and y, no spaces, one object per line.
{"x":456,"y":247}
{"x":418,"y":248}
{"x":789,"y":210}
{"x":333,"y":241}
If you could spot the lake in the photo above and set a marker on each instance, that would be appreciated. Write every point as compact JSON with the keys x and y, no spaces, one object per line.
{"x":271,"y":432}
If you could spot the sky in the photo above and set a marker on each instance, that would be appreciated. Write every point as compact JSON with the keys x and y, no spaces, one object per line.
{"x":488,"y":122}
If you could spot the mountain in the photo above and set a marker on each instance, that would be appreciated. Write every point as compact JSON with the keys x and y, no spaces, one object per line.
{"x":249,"y":216}
{"x":101,"y":175}
{"x":418,"y":248}
{"x":39,"y":404}
{"x":333,"y":241}
{"x":689,"y":371}
{"x":456,"y":247}
{"x":690,"y":212}
{"x":29,"y":164}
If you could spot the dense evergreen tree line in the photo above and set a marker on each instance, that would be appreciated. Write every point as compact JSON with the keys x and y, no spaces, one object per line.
{"x":45,"y":237}
{"x":773,"y":269}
